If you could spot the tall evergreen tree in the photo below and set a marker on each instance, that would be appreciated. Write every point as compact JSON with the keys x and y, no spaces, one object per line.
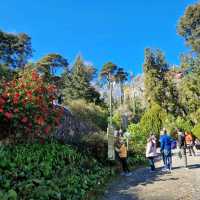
{"x":78,"y":82}
{"x":188,"y":26}
{"x":50,"y":66}
{"x":107,"y":74}
{"x":121,"y":77}
{"x":189,"y":89}
{"x":155,"y":82}
{"x":15,"y":49}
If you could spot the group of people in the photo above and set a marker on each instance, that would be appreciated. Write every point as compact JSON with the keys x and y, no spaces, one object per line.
{"x":186,"y":141}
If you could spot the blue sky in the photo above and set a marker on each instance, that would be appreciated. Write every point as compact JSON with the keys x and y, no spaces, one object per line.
{"x":101,"y":30}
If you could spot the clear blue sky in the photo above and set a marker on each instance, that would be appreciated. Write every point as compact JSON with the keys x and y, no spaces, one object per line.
{"x":101,"y":30}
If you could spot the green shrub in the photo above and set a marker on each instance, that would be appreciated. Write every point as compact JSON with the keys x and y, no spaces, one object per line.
{"x":169,"y":122}
{"x":117,"y":120}
{"x":48,"y":171}
{"x":137,"y":140}
{"x":95,"y":145}
{"x":195,"y":116}
{"x":89,"y":112}
{"x":151,"y":121}
{"x":196,"y":130}
{"x":183,"y":124}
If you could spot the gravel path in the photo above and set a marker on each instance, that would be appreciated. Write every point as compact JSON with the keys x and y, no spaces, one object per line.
{"x":181,"y":184}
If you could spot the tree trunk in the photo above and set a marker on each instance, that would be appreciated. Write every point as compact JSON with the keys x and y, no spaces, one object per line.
{"x":121,"y":93}
{"x":110,"y":99}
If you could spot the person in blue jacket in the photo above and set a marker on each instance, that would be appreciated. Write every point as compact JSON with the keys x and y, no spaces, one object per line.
{"x":161,"y":151}
{"x":165,"y":147}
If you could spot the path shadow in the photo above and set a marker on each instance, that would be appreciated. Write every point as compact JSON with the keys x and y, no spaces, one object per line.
{"x":194,"y":166}
{"x":129,"y":188}
{"x":125,"y":187}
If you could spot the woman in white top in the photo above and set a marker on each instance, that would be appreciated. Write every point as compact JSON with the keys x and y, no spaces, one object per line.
{"x":151,"y":151}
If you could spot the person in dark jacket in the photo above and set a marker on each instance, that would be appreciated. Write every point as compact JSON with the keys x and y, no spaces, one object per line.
{"x":165,"y":147}
{"x":182,"y":146}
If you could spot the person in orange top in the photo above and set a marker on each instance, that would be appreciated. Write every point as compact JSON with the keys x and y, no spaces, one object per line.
{"x":189,"y":143}
{"x":122,"y":151}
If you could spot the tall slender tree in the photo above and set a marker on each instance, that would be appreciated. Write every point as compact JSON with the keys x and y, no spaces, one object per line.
{"x":188,"y":26}
{"x":78,"y":82}
{"x":155,"y":82}
{"x":15,"y":49}
{"x":108,"y":74}
{"x":121,"y":77}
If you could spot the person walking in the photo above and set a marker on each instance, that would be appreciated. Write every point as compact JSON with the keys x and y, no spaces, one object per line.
{"x":197,"y":143}
{"x":189,"y":143}
{"x":165,"y":147}
{"x":162,"y":151}
{"x":151,"y":151}
{"x":182,"y":146}
{"x":123,"y":158}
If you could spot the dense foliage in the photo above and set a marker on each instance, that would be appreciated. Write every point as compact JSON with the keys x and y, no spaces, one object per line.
{"x":15,"y":49}
{"x":48,"y":171}
{"x":188,"y":26}
{"x":90,"y":112}
{"x":26,"y":106}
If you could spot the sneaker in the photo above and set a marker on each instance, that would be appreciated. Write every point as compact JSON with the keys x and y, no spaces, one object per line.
{"x":128,"y":174}
{"x":164,"y":170}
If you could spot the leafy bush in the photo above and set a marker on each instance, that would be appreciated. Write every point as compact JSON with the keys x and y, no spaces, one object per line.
{"x":26,"y":106}
{"x":137,"y":138}
{"x":137,"y":143}
{"x":95,"y":145}
{"x":48,"y":171}
{"x":183,"y":124}
{"x":169,"y":123}
{"x":89,"y":112}
{"x":196,"y":131}
{"x":117,"y":120}
{"x":151,"y":121}
{"x":195,"y":116}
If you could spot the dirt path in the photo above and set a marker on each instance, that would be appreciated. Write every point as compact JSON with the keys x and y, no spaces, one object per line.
{"x":181,"y":184}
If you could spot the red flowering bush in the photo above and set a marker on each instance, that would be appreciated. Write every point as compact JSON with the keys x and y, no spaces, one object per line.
{"x":26,"y":106}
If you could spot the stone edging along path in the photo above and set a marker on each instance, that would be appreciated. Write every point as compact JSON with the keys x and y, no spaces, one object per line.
{"x":181,"y":184}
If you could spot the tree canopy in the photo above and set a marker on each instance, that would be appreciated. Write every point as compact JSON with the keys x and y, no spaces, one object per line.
{"x":189,"y":26}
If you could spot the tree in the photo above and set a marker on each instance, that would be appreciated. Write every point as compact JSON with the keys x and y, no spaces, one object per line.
{"x":189,"y":89}
{"x":78,"y":82}
{"x":172,"y":101}
{"x":121,"y":77}
{"x":155,"y":68}
{"x":188,"y":26}
{"x":15,"y":49}
{"x":51,"y":66}
{"x":107,"y":74}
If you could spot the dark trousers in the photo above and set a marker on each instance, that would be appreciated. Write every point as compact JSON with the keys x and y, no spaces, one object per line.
{"x":163,"y":157}
{"x":124,"y":165}
{"x":191,"y":150}
{"x":168,"y":159}
{"x":151,"y":163}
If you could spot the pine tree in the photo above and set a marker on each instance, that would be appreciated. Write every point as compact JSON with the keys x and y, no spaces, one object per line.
{"x":121,"y":77}
{"x":188,"y":26}
{"x":78,"y":82}
{"x":155,"y":82}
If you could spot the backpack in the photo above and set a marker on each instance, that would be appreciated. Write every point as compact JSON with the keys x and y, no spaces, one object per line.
{"x":173,"y":144}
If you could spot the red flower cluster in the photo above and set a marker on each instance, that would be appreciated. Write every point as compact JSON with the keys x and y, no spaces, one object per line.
{"x":26,"y":105}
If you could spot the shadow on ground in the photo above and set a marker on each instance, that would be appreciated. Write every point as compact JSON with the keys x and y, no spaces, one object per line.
{"x":125,"y":187}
